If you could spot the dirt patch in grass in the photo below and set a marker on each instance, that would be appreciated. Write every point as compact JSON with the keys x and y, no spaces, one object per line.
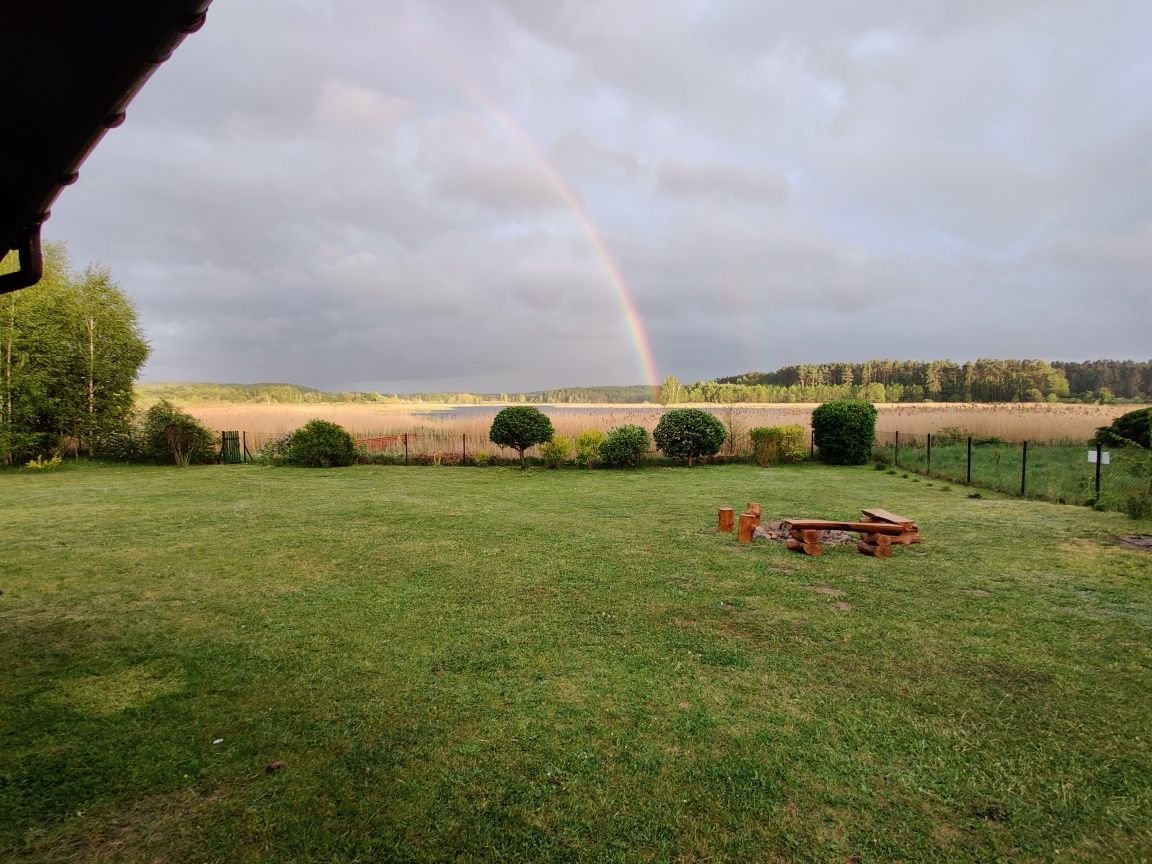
{"x":827,"y":590}
{"x":841,"y":606}
{"x":1140,"y":541}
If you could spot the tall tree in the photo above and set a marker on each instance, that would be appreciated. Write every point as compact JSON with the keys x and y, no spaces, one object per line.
{"x":71,"y":349}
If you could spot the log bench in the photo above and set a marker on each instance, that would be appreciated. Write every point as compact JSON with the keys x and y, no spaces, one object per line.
{"x":879,"y":531}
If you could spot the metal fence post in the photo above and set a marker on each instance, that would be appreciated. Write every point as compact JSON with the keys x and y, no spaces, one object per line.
{"x":969,"y":474}
{"x":405,"y":448}
{"x":896,"y":452}
{"x":928,"y":470}
{"x":1099,"y":459}
{"x":1023,"y":468}
{"x":464,"y":448}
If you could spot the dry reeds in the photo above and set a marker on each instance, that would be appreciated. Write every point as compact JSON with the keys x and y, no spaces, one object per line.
{"x":433,"y":429}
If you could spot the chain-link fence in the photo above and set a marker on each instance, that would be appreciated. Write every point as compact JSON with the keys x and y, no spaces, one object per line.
{"x":425,"y":447}
{"x":1110,"y":478}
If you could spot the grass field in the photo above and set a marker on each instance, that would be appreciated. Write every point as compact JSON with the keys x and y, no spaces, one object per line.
{"x":492,"y":665}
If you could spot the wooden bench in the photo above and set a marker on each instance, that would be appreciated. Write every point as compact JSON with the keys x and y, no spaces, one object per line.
{"x":879,"y":531}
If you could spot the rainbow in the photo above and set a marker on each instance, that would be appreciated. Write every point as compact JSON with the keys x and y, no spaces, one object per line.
{"x":563,"y":189}
{"x":632,"y":318}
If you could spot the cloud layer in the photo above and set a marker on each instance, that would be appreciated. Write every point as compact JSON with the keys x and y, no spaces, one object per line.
{"x":411,"y":196}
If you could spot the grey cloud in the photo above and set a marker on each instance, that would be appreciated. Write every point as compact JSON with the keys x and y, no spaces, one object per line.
{"x":391,"y":192}
{"x":347,"y":109}
{"x":715,"y":179}
{"x":508,"y":186}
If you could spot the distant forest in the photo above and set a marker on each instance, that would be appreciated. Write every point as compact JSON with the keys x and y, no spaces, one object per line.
{"x":985,"y":380}
{"x":875,"y":380}
{"x":295,"y":394}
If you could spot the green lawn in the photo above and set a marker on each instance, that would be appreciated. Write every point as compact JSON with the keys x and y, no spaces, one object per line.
{"x":493,"y":665}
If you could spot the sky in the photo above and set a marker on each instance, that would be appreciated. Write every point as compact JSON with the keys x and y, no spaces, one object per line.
{"x":504,"y":195}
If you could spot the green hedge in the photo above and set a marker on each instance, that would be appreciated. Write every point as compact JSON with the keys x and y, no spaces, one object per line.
{"x":844,"y":431}
{"x":773,"y":445}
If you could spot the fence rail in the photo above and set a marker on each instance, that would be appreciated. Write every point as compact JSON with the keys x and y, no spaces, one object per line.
{"x":1110,"y":478}
{"x":424,"y":446}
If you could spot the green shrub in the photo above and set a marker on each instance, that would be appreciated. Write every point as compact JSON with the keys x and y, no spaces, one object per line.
{"x":520,"y":427}
{"x":481,"y":458}
{"x":321,"y":444}
{"x":772,"y":445}
{"x":169,"y":435}
{"x":1135,"y":427}
{"x":845,"y":431}
{"x":557,"y":451}
{"x":588,"y":447}
{"x":689,"y":433}
{"x":1138,"y":506}
{"x":275,"y":451}
{"x":122,"y":444}
{"x":624,"y":447}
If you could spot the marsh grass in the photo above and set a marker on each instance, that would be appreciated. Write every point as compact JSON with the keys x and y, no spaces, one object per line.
{"x":497,"y":665}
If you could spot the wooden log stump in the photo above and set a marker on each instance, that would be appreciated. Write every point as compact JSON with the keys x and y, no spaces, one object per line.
{"x":753,"y":508}
{"x":727,"y":520}
{"x":805,"y":541}
{"x":747,"y":528}
{"x":876,"y":545}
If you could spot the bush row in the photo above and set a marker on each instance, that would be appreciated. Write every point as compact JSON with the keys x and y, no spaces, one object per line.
{"x":844,"y":432}
{"x":682,"y":434}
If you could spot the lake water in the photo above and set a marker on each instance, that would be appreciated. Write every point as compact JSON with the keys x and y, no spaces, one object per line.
{"x":473,"y":412}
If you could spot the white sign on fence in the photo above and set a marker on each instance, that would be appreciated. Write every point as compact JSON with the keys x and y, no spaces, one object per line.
{"x":1105,"y":457}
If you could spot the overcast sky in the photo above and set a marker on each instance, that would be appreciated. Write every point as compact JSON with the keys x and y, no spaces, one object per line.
{"x":437,"y":194}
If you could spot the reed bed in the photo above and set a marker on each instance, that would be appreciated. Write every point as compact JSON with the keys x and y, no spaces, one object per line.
{"x":435,"y":429}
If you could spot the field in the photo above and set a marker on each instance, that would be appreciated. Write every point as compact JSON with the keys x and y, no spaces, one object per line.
{"x":242,"y":664}
{"x":438,"y":427}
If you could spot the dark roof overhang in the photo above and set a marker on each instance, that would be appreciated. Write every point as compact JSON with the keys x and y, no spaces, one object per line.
{"x":68,"y":71}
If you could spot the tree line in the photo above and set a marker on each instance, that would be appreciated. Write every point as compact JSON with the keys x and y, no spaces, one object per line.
{"x":297,"y":394}
{"x":1122,"y":379}
{"x":983,"y":380}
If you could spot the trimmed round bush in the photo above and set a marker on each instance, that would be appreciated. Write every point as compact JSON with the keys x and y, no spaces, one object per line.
{"x":689,"y":433}
{"x":321,"y":444}
{"x":520,"y":427}
{"x":844,"y":431}
{"x":624,"y":447}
